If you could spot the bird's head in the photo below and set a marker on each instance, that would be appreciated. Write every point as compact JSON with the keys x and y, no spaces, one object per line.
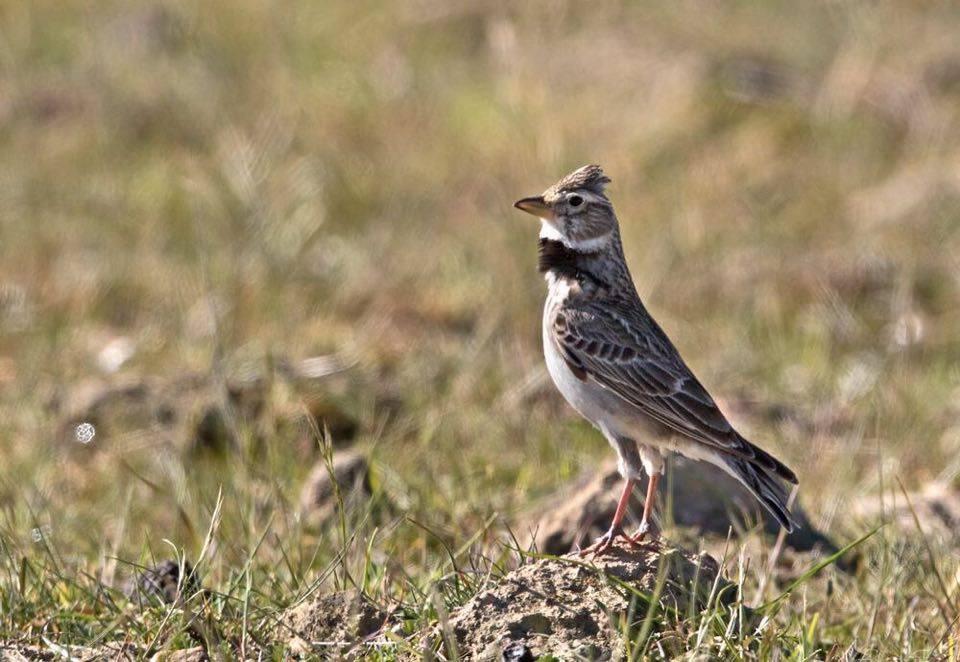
{"x":575,"y":210}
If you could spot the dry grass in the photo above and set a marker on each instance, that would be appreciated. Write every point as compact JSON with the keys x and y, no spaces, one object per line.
{"x":220,"y":183}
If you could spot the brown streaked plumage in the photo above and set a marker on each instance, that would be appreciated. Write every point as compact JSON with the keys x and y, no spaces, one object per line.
{"x":615,"y":365}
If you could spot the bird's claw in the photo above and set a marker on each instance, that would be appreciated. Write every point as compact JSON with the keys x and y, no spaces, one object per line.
{"x":642,"y":533}
{"x":604,"y":542}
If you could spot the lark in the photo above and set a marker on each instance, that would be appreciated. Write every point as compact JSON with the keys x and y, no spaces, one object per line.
{"x":615,"y":365}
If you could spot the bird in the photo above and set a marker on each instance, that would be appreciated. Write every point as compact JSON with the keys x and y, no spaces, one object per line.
{"x":617,"y":368}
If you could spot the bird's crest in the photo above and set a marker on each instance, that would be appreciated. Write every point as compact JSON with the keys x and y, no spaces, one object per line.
{"x":589,"y":177}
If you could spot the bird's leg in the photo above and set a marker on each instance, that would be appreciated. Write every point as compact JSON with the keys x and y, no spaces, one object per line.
{"x":616,"y":528}
{"x":647,"y":508}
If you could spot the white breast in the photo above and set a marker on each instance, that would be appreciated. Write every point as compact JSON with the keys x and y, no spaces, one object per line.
{"x":602,"y":407}
{"x":581,"y":395}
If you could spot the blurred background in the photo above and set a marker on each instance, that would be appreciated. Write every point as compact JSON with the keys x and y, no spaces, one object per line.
{"x":225,"y":226}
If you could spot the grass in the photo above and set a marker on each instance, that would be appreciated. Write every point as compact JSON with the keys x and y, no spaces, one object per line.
{"x":220,"y":186}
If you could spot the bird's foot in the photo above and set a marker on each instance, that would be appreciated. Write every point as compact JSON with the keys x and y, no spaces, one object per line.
{"x":604,"y":542}
{"x":643,"y":533}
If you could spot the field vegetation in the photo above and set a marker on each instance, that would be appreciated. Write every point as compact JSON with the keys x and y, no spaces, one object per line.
{"x":227,"y":226}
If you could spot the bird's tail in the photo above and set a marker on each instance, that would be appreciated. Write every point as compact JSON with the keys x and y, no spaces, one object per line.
{"x":757,"y":477}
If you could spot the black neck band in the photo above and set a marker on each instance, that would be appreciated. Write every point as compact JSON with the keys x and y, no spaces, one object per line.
{"x":558,"y":258}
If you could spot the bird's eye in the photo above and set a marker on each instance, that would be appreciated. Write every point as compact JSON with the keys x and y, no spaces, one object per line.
{"x":575,"y":200}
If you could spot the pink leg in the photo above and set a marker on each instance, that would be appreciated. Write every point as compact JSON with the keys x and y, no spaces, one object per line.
{"x":647,"y":508}
{"x":622,"y":503}
{"x":616,"y":530}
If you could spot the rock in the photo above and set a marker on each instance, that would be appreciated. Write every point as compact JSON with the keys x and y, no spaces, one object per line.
{"x":334,"y":625}
{"x":318,"y":497}
{"x":937,"y":507}
{"x":517,"y":652}
{"x":571,"y":609}
{"x":162,"y":585}
{"x":703,"y":498}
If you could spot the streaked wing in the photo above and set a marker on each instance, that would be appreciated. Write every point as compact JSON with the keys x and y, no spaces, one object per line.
{"x":630,"y":355}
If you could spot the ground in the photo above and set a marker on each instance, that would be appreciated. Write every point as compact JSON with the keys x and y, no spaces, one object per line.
{"x":237,"y":238}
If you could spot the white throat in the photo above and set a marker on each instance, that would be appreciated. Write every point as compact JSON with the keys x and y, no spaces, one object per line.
{"x":547,"y":231}
{"x":592,"y":245}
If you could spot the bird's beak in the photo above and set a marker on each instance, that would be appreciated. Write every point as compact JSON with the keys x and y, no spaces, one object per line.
{"x":536,"y":206}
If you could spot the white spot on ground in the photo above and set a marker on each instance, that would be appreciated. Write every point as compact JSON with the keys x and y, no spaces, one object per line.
{"x":84,"y":433}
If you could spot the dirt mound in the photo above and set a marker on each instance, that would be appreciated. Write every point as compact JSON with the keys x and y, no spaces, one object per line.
{"x":110,"y":651}
{"x":333,"y":626}
{"x":573,"y":609}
